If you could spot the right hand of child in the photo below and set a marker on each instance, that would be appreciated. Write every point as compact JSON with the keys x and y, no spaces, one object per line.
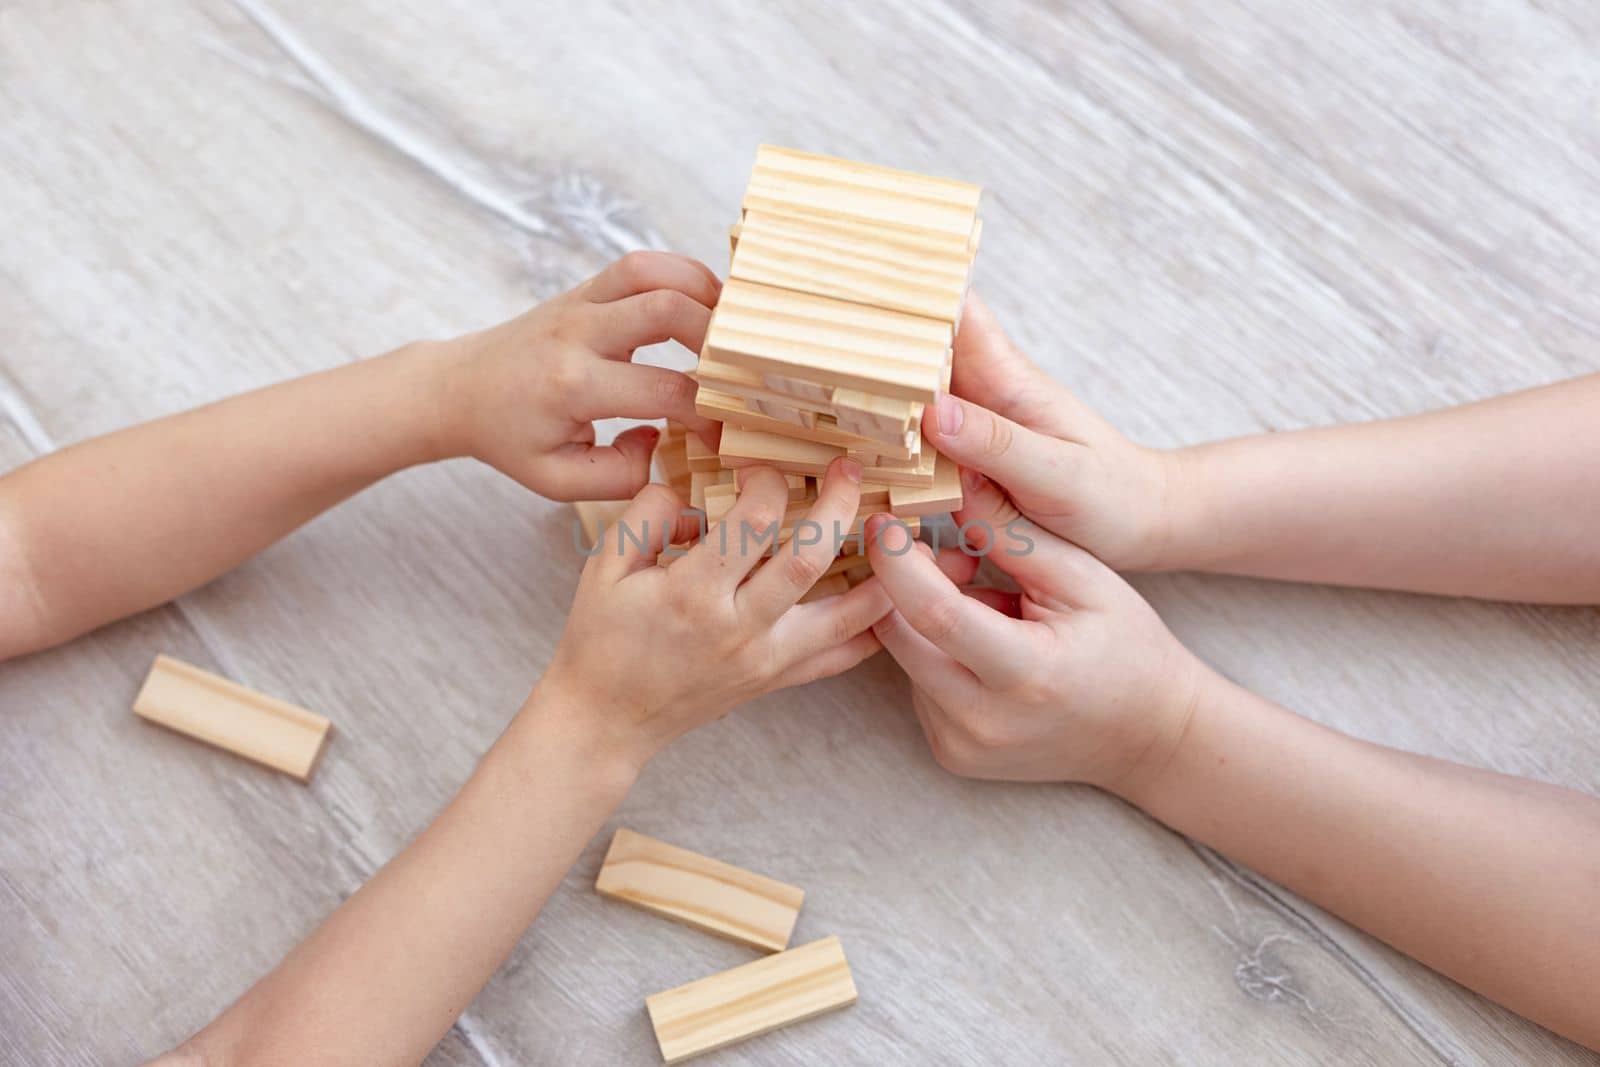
{"x":1066,"y":468}
{"x":650,"y":652}
{"x":1074,"y":679}
{"x":523,"y":396}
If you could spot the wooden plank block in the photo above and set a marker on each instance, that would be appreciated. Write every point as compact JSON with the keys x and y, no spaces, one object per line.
{"x":800,"y":183}
{"x":799,"y":389}
{"x":752,"y":999}
{"x":785,"y":413}
{"x":943,"y":495}
{"x":698,"y":454}
{"x":714,"y":403}
{"x":595,"y":515}
{"x":212,"y":709}
{"x":890,"y":472}
{"x":699,"y":891}
{"x":813,"y":256}
{"x":827,"y":342}
{"x":742,"y":448}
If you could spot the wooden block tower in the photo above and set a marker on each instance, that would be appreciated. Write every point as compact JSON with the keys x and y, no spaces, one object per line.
{"x":833,"y":332}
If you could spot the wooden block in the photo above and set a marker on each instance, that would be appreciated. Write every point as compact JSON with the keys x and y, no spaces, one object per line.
{"x":223,"y":713}
{"x":595,"y":515}
{"x":832,"y":585}
{"x":741,"y":448}
{"x":875,"y":494}
{"x":801,"y":487}
{"x":888,"y":472}
{"x":800,"y":183}
{"x":828,"y":342}
{"x":713,"y":403}
{"x":943,"y":495}
{"x":752,"y":999}
{"x":698,"y":454}
{"x":814,"y":256}
{"x":750,"y":385}
{"x":785,"y":413}
{"x":798,"y":389}
{"x":699,"y":482}
{"x":699,"y":891}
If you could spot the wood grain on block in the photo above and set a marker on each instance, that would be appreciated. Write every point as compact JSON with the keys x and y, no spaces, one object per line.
{"x":942,"y":496}
{"x":210,"y":708}
{"x":714,"y":403}
{"x":891,"y":472}
{"x":699,"y":891}
{"x":752,"y":385}
{"x":811,"y":256}
{"x":750,"y":1000}
{"x":828,"y":342}
{"x":742,"y":448}
{"x":699,"y":455}
{"x":788,"y":182}
{"x":784,"y":412}
{"x":798,"y":389}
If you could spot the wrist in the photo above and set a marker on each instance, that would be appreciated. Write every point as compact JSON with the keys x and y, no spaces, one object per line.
{"x":606,"y":738}
{"x":439,"y":397}
{"x":1181,"y":523}
{"x":1194,"y":697}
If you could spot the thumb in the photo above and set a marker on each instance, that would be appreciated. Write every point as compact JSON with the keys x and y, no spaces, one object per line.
{"x":599,"y":472}
{"x":1052,"y":571}
{"x":1024,"y":460}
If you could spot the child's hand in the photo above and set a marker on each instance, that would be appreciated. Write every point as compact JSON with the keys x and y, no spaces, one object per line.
{"x":1075,"y":679}
{"x":1067,"y":469}
{"x":523,"y":396}
{"x":654,"y":651}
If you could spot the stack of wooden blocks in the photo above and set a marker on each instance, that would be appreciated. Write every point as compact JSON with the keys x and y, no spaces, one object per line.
{"x":833,"y":332}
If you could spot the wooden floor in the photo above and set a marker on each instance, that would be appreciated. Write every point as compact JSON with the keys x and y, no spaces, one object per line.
{"x":1207,"y":218}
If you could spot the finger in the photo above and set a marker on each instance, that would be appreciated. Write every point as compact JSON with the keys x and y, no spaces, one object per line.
{"x":795,"y":567}
{"x":1006,"y":603}
{"x":617,"y":328}
{"x":640,"y":391}
{"x":835,"y":660}
{"x":995,"y":648}
{"x":1054,"y":572}
{"x":582,"y":471}
{"x":990,"y":371}
{"x":958,"y":566}
{"x":981,"y":440}
{"x":808,"y":630}
{"x":636,"y":539}
{"x":735,"y":545}
{"x":640,"y":272}
{"x":928,"y":667}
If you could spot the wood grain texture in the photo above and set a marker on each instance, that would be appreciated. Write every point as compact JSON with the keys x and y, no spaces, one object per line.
{"x":753,"y":999}
{"x":1206,"y":219}
{"x":213,"y":709}
{"x":698,"y":891}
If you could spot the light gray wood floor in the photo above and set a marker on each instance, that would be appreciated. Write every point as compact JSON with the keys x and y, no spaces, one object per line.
{"x":1207,"y":218}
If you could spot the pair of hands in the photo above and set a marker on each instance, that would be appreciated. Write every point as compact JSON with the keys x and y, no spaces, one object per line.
{"x":1072,"y":678}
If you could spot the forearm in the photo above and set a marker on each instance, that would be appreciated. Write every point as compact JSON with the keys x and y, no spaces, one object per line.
{"x":130,"y":520}
{"x":384,"y":977}
{"x":1498,"y":499}
{"x":1488,"y":879}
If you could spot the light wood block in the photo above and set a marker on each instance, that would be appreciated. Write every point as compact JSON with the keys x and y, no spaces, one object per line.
{"x":699,"y":891}
{"x":742,"y":448}
{"x":595,"y":515}
{"x":943,"y":495}
{"x":788,"y":182}
{"x":699,"y":456}
{"x":890,"y":472}
{"x":798,"y":389}
{"x":827,"y":342}
{"x":212,"y":709}
{"x":786,"y":413}
{"x":753,"y":999}
{"x":713,"y":403}
{"x":814,"y":256}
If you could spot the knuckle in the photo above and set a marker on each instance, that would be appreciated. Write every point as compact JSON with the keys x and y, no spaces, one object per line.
{"x":674,"y":391}
{"x":634,"y":266}
{"x":998,"y":436}
{"x":939,"y":619}
{"x":987,"y":733}
{"x":664,"y":306}
{"x":800,"y":570}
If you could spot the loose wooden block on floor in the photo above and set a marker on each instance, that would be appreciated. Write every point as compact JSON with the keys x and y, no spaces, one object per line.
{"x":699,"y":891}
{"x":212,"y":709}
{"x":754,"y":999}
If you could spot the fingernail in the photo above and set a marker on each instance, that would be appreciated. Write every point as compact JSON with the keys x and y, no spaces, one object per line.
{"x":950,"y":415}
{"x":850,"y":469}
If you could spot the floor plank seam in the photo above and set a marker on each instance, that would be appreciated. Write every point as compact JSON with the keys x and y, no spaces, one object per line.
{"x":586,"y":209}
{"x":16,"y":410}
{"x":1426,"y":1032}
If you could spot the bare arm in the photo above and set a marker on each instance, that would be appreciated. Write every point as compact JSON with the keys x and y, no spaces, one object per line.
{"x":1489,"y":879}
{"x":127,"y":521}
{"x":1498,"y":499}
{"x":130,"y":520}
{"x":387,"y":973}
